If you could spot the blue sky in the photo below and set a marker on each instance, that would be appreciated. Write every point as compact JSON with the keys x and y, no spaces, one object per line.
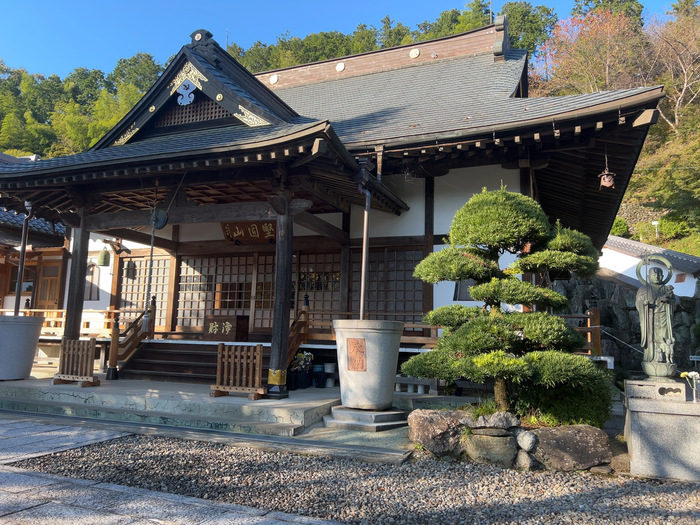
{"x":57,"y":36}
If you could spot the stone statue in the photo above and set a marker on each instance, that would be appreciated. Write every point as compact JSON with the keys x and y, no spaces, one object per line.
{"x":655,"y":302}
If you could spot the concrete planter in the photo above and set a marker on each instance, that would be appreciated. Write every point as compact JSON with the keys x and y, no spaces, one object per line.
{"x":368,"y":353}
{"x":19,"y":337}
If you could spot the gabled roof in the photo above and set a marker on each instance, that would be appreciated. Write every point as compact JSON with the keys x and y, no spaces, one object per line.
{"x":236,"y":96}
{"x":680,"y":261}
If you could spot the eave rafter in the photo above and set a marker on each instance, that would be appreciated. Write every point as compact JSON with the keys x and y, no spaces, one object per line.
{"x":514,"y":145}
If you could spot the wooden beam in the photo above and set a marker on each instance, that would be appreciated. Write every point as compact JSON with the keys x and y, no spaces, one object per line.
{"x":319,"y":147}
{"x":242,"y":211}
{"x":647,"y":118}
{"x":310,"y":221}
{"x":142,"y":238}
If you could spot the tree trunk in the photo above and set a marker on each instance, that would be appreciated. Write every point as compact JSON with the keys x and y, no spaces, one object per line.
{"x":500,"y":393}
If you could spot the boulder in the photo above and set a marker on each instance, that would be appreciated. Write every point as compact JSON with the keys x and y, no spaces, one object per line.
{"x":526,"y":440}
{"x":437,"y":431}
{"x":498,"y":450}
{"x":502,"y":420}
{"x":568,"y":448}
{"x":524,"y":461}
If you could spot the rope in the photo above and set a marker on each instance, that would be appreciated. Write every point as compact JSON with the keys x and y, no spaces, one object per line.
{"x":617,"y":339}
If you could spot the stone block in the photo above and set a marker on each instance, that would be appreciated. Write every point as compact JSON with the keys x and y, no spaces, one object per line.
{"x":663,"y":435}
{"x":575,"y":447}
{"x":490,"y":449}
{"x":437,"y":431}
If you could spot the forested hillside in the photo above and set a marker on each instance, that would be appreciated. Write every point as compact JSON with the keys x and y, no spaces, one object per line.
{"x":600,"y":45}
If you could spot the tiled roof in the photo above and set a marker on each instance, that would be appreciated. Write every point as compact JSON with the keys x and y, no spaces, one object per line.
{"x":431,"y":97}
{"x":11,"y":224}
{"x":680,"y":261}
{"x":173,"y":146}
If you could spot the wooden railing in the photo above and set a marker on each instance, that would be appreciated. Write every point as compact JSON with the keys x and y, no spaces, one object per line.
{"x":97,"y":323}
{"x":589,"y":326}
{"x":298,"y":334}
{"x":124,"y":343}
{"x":421,"y":335}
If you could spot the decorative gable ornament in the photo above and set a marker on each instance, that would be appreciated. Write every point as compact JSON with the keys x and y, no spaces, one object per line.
{"x":249,"y":118}
{"x":185,"y":82}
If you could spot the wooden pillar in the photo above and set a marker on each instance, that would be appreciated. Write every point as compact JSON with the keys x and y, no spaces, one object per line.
{"x":345,"y":268}
{"x":76,"y":283}
{"x":279,"y":347}
{"x":428,"y":246}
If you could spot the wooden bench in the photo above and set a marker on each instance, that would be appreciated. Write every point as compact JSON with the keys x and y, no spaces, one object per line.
{"x":76,"y":362}
{"x":239,"y":368}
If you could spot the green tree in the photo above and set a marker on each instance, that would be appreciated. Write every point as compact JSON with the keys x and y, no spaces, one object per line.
{"x":488,"y":226}
{"x":477,"y":14}
{"x":84,"y":86}
{"x":391,"y":35}
{"x":529,"y":27}
{"x":364,"y":39}
{"x":141,"y":71}
{"x":685,"y":7}
{"x":630,"y":8}
{"x":445,"y":25}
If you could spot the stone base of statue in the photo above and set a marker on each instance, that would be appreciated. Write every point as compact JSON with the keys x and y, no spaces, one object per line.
{"x":658,"y":370}
{"x":662,"y":429}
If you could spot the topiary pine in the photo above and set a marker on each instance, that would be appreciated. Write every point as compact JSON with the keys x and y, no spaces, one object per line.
{"x":489,"y":225}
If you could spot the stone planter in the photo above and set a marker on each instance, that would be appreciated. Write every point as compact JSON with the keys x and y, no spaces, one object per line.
{"x":368,"y":353}
{"x":19,"y":336}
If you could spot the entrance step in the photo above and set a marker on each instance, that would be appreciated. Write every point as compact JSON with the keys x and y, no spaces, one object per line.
{"x":184,"y":406}
{"x":365,"y":420}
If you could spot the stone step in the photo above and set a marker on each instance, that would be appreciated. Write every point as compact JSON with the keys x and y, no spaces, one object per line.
{"x":179,"y":405}
{"x":365,"y":420}
{"x":362,"y":426}
{"x":341,"y":413}
{"x":151,"y":418}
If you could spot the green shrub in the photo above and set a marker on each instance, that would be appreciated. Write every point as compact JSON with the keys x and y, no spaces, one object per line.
{"x":500,"y":221}
{"x":453,"y":264}
{"x":542,"y":331}
{"x":514,"y":291}
{"x":436,"y":364}
{"x":480,"y":335}
{"x":453,"y":315}
{"x":565,"y":389}
{"x":494,"y":365}
{"x":620,"y":228}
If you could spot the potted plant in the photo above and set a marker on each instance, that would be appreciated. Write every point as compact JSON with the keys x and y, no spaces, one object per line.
{"x":300,"y":369}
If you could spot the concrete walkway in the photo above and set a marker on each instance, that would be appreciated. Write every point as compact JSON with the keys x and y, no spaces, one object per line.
{"x":35,"y":498}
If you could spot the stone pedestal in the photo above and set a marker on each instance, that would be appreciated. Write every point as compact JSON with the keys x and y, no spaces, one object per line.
{"x":662,"y":430}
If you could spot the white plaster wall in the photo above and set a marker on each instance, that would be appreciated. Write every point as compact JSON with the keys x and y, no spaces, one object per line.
{"x":627,"y":265}
{"x":453,"y":190}
{"x":383,"y":224}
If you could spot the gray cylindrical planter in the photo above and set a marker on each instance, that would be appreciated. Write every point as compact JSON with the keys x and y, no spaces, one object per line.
{"x":19,"y":337}
{"x":368,"y":353}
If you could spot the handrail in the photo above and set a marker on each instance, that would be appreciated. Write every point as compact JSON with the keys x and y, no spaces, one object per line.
{"x":298,"y":333}
{"x":124,"y":344}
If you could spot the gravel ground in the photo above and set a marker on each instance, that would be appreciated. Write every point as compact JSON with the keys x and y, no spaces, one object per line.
{"x":421,"y":491}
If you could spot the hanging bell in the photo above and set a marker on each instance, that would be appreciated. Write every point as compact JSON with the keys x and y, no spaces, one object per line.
{"x":103,"y":257}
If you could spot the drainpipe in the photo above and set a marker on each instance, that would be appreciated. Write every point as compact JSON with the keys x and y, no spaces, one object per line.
{"x":22,"y":255}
